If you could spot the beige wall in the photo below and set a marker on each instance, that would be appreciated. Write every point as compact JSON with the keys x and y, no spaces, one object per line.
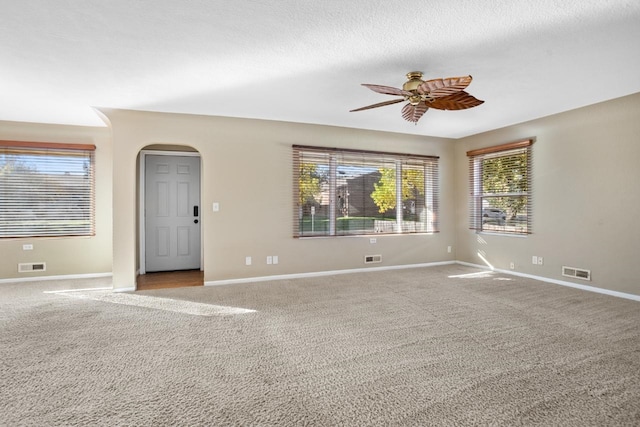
{"x":65,"y":256}
{"x":585,"y":191}
{"x":586,"y":215}
{"x":247,"y":169}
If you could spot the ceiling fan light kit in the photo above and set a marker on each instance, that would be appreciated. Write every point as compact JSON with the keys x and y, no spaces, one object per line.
{"x":442,"y":94}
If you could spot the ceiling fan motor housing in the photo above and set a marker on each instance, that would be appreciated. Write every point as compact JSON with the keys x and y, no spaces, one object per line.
{"x":411,"y":85}
{"x":415,"y":79}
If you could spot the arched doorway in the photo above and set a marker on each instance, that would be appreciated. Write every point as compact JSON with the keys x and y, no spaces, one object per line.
{"x":170,"y":249}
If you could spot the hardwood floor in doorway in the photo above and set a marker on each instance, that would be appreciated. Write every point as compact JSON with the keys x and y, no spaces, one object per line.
{"x":170,"y":279}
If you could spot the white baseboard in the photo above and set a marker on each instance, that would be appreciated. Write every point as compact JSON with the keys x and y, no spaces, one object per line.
{"x":557,"y":282}
{"x":335,"y":272}
{"x":131,"y":289}
{"x":430,"y":264}
{"x":321,"y":273}
{"x":61,"y":277}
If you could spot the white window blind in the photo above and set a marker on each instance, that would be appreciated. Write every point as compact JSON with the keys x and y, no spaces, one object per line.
{"x":500,"y":188}
{"x":340,"y":192}
{"x":46,"y":189}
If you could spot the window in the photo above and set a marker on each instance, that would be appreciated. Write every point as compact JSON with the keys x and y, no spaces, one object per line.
{"x":347,"y":192}
{"x":46,"y":189}
{"x":500,"y":188}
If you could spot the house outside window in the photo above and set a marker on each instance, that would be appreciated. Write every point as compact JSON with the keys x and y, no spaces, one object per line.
{"x":339,"y":192}
{"x":46,"y":189}
{"x":500,"y":196}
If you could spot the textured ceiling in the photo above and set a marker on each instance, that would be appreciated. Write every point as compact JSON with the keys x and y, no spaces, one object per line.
{"x":303,"y":61}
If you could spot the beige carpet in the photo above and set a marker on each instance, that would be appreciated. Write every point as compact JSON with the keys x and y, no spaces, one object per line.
{"x":445,"y":345}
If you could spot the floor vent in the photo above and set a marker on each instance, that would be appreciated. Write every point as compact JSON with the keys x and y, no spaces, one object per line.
{"x":577,"y":273}
{"x":28,"y":267}
{"x":372,"y":259}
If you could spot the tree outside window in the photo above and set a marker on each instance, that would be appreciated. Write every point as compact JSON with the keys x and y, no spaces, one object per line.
{"x":342,"y":192}
{"x":500,"y":182}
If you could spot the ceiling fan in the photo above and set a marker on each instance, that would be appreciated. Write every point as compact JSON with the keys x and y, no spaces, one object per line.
{"x":443,"y":94}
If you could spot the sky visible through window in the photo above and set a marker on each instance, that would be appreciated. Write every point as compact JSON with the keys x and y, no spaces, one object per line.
{"x":71,"y":165}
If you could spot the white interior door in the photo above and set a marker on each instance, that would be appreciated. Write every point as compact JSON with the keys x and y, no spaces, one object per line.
{"x":172,"y":213}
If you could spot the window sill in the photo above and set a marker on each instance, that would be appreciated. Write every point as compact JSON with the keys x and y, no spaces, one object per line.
{"x":367,"y":236}
{"x":495,"y":233}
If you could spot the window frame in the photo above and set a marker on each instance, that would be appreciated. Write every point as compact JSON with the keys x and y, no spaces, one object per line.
{"x":74,"y":216}
{"x":375,"y":159}
{"x":478,"y":196}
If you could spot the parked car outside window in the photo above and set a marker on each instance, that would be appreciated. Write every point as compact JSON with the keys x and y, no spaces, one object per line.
{"x":494,"y":215}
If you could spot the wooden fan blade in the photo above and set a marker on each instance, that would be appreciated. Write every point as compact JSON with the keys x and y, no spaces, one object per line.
{"x":438,"y":88}
{"x":379,"y":104}
{"x":458,"y":101}
{"x":387,"y":90}
{"x":412,"y":113}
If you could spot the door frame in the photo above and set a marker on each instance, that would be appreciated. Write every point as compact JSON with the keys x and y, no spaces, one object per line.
{"x":142,"y":269}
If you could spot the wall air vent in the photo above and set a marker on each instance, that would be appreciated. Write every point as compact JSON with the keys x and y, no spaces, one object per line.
{"x":28,"y":267}
{"x":372,"y":259}
{"x":577,"y":273}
